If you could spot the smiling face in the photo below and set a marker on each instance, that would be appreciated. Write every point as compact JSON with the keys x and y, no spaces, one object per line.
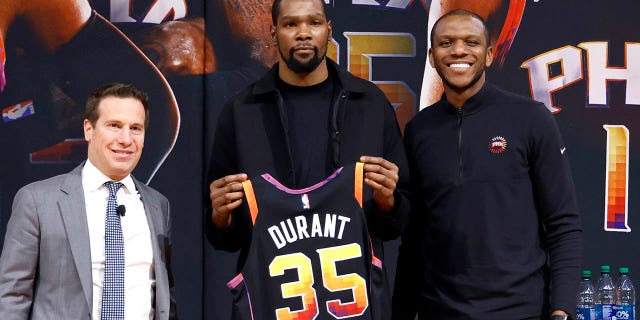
{"x":302,"y":34}
{"x":117,"y":137}
{"x":460,"y":53}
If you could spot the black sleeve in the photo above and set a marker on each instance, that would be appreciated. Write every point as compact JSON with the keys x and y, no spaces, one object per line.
{"x":389,"y":225}
{"x":406,"y":289}
{"x":223,"y":162}
{"x":233,"y":238}
{"x":555,"y":197}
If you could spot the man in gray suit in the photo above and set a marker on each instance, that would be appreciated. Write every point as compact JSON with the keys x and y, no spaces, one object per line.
{"x":56,"y":254}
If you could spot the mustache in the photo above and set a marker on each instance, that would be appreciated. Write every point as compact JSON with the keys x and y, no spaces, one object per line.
{"x":305,"y":47}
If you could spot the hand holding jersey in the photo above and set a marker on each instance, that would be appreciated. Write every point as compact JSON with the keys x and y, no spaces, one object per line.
{"x":380,"y":174}
{"x":226,"y":194}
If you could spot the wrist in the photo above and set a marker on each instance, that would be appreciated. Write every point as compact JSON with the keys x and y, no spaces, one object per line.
{"x":220,"y":221}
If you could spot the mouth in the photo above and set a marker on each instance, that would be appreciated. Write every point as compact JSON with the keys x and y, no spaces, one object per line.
{"x":304,"y":49}
{"x":122,"y":153}
{"x":459,"y":65}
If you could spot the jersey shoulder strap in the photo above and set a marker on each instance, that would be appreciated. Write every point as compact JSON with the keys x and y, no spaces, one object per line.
{"x":251,"y":200}
{"x":358,"y":181}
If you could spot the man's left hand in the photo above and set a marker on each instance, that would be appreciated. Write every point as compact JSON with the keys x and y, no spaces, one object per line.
{"x":382,"y":176}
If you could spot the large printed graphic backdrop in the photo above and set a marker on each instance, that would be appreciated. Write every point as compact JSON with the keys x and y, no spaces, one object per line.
{"x":581,"y":59}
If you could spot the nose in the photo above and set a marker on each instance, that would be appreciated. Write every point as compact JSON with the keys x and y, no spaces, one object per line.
{"x":458,"y":48}
{"x":125,"y":136}
{"x":303,"y":32}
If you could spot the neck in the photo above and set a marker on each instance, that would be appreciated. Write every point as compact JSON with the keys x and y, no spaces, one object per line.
{"x":321,"y":73}
{"x":457,"y":97}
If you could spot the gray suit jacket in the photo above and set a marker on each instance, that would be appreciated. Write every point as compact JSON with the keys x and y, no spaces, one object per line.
{"x":45,"y":266}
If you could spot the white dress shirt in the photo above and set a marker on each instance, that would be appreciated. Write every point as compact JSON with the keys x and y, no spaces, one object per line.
{"x":139,"y":272}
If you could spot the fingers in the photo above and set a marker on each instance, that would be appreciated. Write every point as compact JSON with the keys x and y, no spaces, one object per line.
{"x":227,"y":180}
{"x":226,"y":194}
{"x":380,"y":174}
{"x":227,"y":190}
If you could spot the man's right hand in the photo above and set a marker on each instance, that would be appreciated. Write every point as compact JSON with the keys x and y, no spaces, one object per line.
{"x":226,"y":194}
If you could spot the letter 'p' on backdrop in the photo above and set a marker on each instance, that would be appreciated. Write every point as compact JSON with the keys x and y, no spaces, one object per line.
{"x":580,"y":58}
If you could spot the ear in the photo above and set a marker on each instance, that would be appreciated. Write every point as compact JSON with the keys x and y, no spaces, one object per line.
{"x":489,"y":58}
{"x":88,"y":130}
{"x":330,"y":26}
{"x":431,"y":58}
{"x":274,"y":38}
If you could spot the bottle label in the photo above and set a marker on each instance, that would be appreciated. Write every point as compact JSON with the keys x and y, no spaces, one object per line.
{"x":586,"y":314}
{"x":624,"y":312}
{"x":604,"y":311}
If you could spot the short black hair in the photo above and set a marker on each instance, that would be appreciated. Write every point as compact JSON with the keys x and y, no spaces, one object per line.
{"x":462,"y":12}
{"x":275,"y":10}
{"x":118,"y":90}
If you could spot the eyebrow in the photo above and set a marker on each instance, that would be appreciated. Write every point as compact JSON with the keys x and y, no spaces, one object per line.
{"x":314,"y":15}
{"x":109,"y":121}
{"x":449,"y":36}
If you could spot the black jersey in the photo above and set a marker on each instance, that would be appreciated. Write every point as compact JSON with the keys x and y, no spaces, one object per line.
{"x":310,"y":255}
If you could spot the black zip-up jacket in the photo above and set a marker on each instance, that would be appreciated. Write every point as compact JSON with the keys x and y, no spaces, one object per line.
{"x":251,"y":137}
{"x":495,"y":230}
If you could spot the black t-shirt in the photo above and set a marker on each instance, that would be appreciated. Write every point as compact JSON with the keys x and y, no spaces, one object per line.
{"x":308,"y":111}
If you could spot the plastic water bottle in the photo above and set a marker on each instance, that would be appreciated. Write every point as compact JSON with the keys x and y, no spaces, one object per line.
{"x":605,"y":295}
{"x":625,"y":308}
{"x":586,"y":307}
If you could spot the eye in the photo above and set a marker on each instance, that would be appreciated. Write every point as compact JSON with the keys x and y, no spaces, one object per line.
{"x":137,"y":129}
{"x":445,"y":43}
{"x":472,"y":43}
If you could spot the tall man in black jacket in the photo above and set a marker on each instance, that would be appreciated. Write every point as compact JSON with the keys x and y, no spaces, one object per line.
{"x":303,"y":120}
{"x":494,"y":232}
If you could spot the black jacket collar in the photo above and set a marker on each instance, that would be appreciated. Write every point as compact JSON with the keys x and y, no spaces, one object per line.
{"x":476,"y":103}
{"x":267,"y":84}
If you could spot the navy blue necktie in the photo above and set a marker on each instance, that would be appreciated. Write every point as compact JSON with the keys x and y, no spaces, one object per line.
{"x":113,"y":285}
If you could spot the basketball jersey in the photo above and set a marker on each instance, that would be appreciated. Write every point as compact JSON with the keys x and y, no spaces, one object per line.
{"x":310,"y":255}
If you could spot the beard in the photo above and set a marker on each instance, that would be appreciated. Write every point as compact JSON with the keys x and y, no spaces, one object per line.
{"x":298,"y":66}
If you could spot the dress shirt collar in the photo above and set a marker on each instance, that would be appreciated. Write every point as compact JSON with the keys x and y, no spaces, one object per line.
{"x":93,"y":179}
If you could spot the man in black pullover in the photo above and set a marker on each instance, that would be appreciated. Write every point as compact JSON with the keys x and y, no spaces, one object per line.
{"x":494,"y":231}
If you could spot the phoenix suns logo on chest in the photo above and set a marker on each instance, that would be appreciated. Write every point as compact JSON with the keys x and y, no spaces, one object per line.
{"x":498,"y":145}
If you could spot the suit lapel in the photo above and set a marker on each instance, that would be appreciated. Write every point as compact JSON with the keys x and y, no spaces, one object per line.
{"x":74,"y":216}
{"x":152,"y":212}
{"x":154,"y":219}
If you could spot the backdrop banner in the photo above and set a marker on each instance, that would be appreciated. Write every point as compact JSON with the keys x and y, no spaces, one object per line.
{"x":581,"y":59}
